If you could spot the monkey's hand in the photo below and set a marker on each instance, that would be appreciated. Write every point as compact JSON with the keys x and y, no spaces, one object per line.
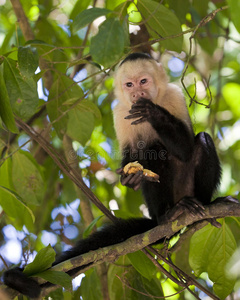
{"x":144,"y":110}
{"x":132,"y":180}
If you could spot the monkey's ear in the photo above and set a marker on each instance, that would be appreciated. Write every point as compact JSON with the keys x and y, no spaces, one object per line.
{"x":161,"y":72}
{"x":160,"y":66}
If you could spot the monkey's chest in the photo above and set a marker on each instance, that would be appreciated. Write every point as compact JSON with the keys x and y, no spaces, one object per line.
{"x":152,"y":156}
{"x":141,"y":135}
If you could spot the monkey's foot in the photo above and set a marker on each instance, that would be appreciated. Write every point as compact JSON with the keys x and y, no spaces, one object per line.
{"x":186,"y":204}
{"x":227,"y":199}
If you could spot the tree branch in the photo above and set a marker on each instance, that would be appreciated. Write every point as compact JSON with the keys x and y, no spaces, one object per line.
{"x":22,"y":20}
{"x":29,"y":35}
{"x":138,"y":242}
{"x":65,"y":167}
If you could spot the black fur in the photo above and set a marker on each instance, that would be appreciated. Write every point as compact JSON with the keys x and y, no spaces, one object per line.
{"x":17,"y":280}
{"x":110,"y":234}
{"x":135,"y":56}
{"x":187,"y":165}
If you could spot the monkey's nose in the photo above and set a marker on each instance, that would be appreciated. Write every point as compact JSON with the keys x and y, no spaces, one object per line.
{"x":137,"y":95}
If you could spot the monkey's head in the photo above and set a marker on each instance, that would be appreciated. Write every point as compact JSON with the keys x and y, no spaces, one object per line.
{"x":139,"y":76}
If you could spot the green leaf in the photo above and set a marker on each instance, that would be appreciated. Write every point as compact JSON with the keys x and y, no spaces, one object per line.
{"x":28,"y":180}
{"x":234,"y":7}
{"x":12,"y":204}
{"x":181,"y":8}
{"x":42,"y":261}
{"x":134,"y":14}
{"x":80,"y":125}
{"x":108,"y":45}
{"x":231,"y":94}
{"x":88,"y":230}
{"x":85,"y":106}
{"x":89,"y":281}
{"x":58,"y":294}
{"x":142,"y":264}
{"x":210,"y":250}
{"x":140,"y":285}
{"x":56,"y":277}
{"x":112,"y":4}
{"x":27,"y":60}
{"x":161,"y":22}
{"x":6,"y":111}
{"x":79,"y":6}
{"x":22,"y":91}
{"x":87,"y":16}
{"x":63,"y":89}
{"x":19,"y":199}
{"x":115,"y":286}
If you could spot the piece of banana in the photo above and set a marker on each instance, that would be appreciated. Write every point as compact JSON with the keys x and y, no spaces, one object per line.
{"x":134,"y":167}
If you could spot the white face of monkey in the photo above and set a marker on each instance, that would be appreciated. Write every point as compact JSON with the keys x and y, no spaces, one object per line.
{"x":139,"y":79}
{"x":139,"y":86}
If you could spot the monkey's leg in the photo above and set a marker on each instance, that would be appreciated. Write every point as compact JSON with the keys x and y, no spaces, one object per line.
{"x":207,"y":168}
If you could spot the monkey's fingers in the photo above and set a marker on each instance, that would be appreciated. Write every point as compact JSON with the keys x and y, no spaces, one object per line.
{"x":119,"y":171}
{"x":137,"y":186}
{"x":143,"y":102}
{"x":136,"y":183}
{"x":138,"y":110}
{"x":152,"y":179}
{"x":136,"y":178}
{"x":135,"y":115}
{"x":126,"y":178}
{"x":141,"y":120}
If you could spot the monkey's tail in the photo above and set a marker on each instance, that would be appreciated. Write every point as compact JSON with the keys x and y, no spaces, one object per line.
{"x":109,"y":235}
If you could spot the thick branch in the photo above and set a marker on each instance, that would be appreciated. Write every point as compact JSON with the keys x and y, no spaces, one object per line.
{"x":22,"y":20}
{"x":138,"y":242}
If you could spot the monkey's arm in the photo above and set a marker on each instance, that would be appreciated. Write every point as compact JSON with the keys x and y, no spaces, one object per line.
{"x":175,"y":135}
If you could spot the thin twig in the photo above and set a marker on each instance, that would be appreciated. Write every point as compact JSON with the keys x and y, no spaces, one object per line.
{"x":189,"y":279}
{"x":147,"y":295}
{"x":180,"y":282}
{"x":202,"y":23}
{"x":65,"y":167}
{"x":79,"y":56}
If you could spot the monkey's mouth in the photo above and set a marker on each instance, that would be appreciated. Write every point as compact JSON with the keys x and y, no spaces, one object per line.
{"x":136,"y":100}
{"x":140,"y":98}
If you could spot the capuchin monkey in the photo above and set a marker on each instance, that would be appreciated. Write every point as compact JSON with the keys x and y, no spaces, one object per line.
{"x":153,"y":127}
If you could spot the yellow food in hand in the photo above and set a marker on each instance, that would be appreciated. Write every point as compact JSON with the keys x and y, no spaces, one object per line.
{"x":134,"y":167}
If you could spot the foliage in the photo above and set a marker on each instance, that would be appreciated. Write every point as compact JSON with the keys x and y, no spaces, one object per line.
{"x":56,"y":75}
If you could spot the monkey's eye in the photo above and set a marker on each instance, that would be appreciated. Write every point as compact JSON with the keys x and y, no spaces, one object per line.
{"x":143,"y":81}
{"x":129,"y":84}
